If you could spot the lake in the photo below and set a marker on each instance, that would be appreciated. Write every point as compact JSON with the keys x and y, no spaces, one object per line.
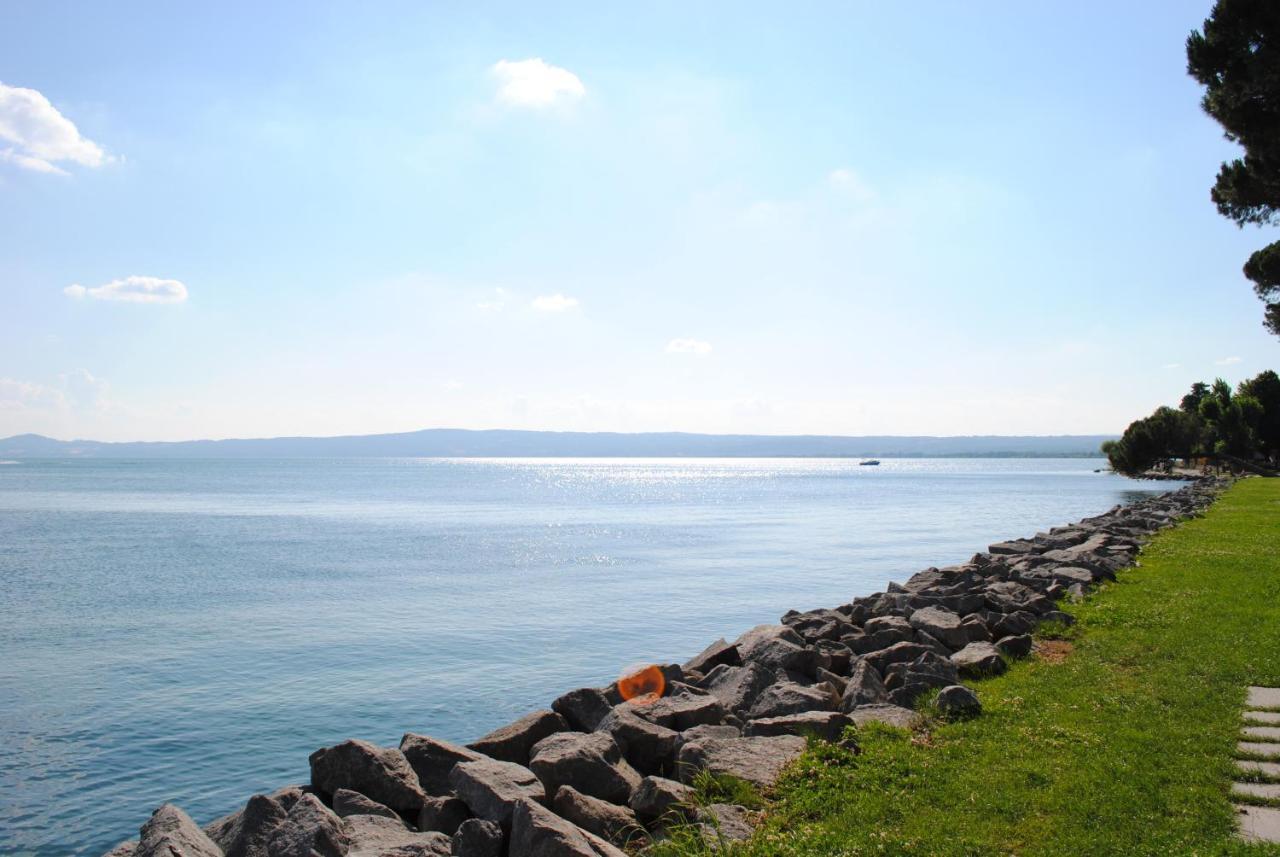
{"x":192,"y":630}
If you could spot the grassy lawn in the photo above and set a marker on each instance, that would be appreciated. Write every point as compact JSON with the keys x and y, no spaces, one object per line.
{"x":1124,"y":746}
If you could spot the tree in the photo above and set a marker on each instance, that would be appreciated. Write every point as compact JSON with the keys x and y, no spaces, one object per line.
{"x":1237,"y":59}
{"x":1265,"y":389}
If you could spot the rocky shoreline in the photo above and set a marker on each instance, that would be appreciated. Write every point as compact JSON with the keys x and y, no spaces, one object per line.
{"x":609,"y":767}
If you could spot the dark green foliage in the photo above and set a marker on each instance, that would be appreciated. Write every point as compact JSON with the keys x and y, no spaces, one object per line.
{"x":1237,"y":59}
{"x":1212,"y":419}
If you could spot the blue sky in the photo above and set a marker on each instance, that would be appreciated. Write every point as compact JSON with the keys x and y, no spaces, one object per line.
{"x":860,"y":218}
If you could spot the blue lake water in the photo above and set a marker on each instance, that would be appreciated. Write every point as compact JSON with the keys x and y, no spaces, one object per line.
{"x":191,"y":630}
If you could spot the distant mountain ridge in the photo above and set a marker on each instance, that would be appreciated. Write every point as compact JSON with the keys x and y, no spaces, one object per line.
{"x":497,"y":443}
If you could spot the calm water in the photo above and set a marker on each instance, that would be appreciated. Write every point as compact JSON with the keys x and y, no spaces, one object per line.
{"x":191,"y":630}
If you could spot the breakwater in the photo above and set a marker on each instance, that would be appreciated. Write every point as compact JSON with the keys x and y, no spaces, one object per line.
{"x":595,"y":769}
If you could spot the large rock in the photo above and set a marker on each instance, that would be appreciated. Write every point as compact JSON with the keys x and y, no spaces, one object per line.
{"x":347,"y":802}
{"x":683,"y":711}
{"x":170,"y":832}
{"x":906,"y":682}
{"x":777,"y":648}
{"x":756,"y":760}
{"x":898,"y":653}
{"x":379,"y":773}
{"x":512,"y":742}
{"x":723,"y":822}
{"x":979,"y":659}
{"x":583,"y":709}
{"x":433,"y":759}
{"x":124,"y":849}
{"x":886,"y":713}
{"x":827,"y":725}
{"x":589,"y":762}
{"x":737,"y":687}
{"x":658,"y":798}
{"x":379,"y":836}
{"x":618,"y":824}
{"x":538,"y":832}
{"x":478,"y":838}
{"x":247,"y":833}
{"x":865,"y":687}
{"x":719,"y":652}
{"x":942,"y":625}
{"x":787,"y":697}
{"x":310,"y":830}
{"x":1015,"y":646}
{"x":958,"y":701}
{"x":491,"y":788}
{"x":649,"y":748}
{"x":443,"y":814}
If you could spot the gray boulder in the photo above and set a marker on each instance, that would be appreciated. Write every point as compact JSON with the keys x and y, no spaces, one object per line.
{"x":787,"y":697}
{"x":347,"y":802}
{"x":757,"y":760}
{"x":433,"y":759}
{"x":170,"y":831}
{"x":1015,"y":646}
{"x":379,"y":773}
{"x":958,"y":701}
{"x":443,"y":814}
{"x":589,"y":762}
{"x":658,"y":798}
{"x":618,"y":824}
{"x":247,"y":833}
{"x":724,"y":822}
{"x":777,"y":648}
{"x":379,"y":836}
{"x":737,"y":687}
{"x":827,"y":725}
{"x":865,"y":687}
{"x":719,"y":652}
{"x":683,"y":711}
{"x":979,"y":659}
{"x":942,"y":625}
{"x":886,"y":713}
{"x":538,"y":832}
{"x":478,"y":838}
{"x":512,"y":742}
{"x":491,"y":788}
{"x":907,"y":681}
{"x":310,"y":830}
{"x":898,"y":653}
{"x":649,"y":748}
{"x":583,"y":709}
{"x":124,"y":849}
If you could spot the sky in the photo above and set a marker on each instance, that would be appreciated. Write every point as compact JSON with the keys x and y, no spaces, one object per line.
{"x":261,"y":219}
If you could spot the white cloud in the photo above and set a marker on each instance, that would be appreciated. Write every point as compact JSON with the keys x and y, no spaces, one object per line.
{"x":496,"y":304}
{"x":848,"y":182}
{"x":139,"y":290}
{"x":688,"y":346}
{"x":554,"y":303}
{"x":38,"y":136}
{"x":534,"y":83}
{"x":1172,"y":366}
{"x":1227,"y":361}
{"x":453,"y":385}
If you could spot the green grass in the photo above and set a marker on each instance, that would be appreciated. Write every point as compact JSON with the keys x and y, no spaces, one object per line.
{"x":1123,"y":747}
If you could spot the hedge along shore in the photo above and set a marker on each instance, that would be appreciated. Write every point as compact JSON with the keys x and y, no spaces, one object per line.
{"x":596,"y":772}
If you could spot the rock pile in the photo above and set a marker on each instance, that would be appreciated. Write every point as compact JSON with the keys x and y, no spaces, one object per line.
{"x":595,"y":771}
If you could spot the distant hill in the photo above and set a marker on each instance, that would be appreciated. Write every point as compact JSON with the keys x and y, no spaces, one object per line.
{"x":462,"y":443}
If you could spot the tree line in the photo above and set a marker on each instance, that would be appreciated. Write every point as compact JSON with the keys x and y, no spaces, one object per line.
{"x":1212,"y":420}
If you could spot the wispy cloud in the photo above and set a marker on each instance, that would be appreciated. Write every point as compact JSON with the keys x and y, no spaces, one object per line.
{"x":688,"y":346}
{"x":495,"y":304}
{"x":553,"y":303}
{"x":140,"y":290}
{"x":38,"y":137}
{"x":534,"y":83}
{"x":1227,"y":361}
{"x":848,"y":182}
{"x":1171,"y":366}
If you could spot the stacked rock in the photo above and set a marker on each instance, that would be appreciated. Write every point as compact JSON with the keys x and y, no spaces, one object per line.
{"x":596,"y":771}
